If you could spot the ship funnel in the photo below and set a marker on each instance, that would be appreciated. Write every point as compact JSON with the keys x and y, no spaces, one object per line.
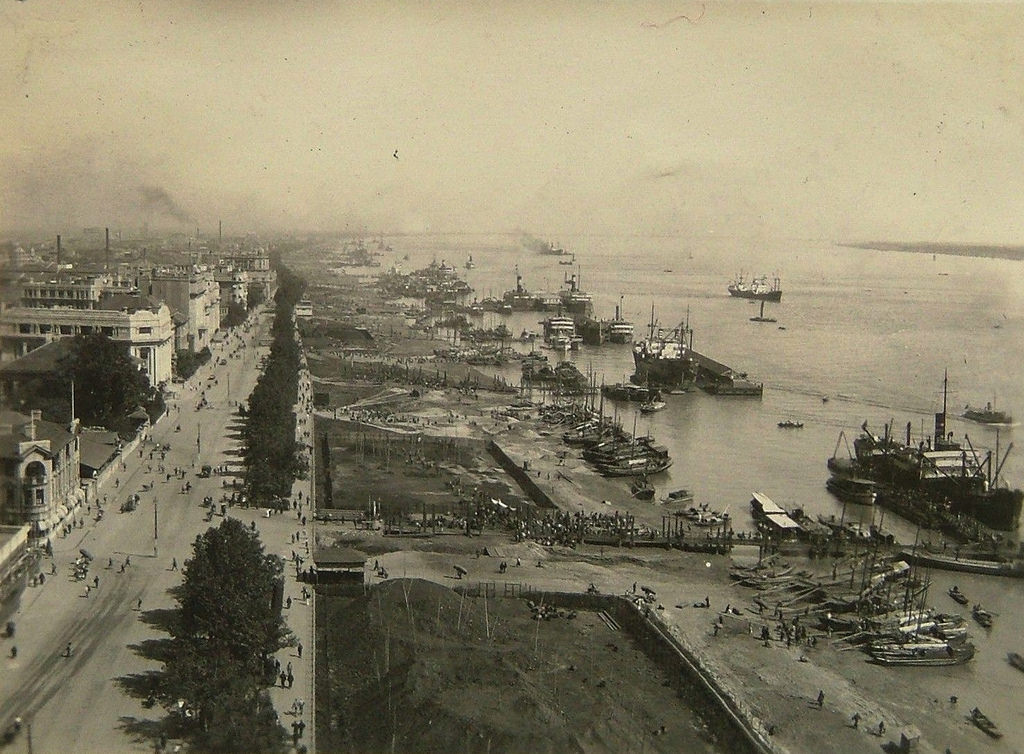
{"x":908,"y":433}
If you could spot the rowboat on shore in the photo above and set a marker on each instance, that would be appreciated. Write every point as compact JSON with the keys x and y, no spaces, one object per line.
{"x":1016,"y":660}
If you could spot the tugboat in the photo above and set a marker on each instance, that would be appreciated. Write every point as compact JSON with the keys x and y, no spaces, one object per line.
{"x":987,"y":415}
{"x":758,"y":289}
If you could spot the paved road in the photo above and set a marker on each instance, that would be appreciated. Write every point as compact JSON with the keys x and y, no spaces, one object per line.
{"x":76,"y":703}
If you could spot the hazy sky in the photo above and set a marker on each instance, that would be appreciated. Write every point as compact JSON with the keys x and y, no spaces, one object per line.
{"x":833,"y":121}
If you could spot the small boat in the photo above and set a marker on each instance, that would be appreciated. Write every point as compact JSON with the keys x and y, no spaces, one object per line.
{"x":987,"y":727}
{"x":790,"y":424}
{"x":704,"y":516}
{"x":568,"y":262}
{"x":761,"y":318}
{"x":681,"y":496}
{"x":641,"y":489}
{"x":470,"y":264}
{"x":1016,"y":660}
{"x":983,"y":616}
{"x":957,"y":595}
{"x":649,"y":407}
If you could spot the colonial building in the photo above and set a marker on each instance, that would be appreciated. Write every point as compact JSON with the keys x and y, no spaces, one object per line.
{"x":39,"y":471}
{"x":143,"y":324}
{"x":195,"y":293}
{"x":257,"y":264}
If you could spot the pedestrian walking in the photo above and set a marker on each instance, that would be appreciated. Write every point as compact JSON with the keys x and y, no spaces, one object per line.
{"x":300,"y":649}
{"x":821,"y":698}
{"x":96,"y":582}
{"x":138,"y":604}
{"x":288,"y":603}
{"x":856,"y":720}
{"x":283,"y":677}
{"x":291,"y":680}
{"x":174,"y":564}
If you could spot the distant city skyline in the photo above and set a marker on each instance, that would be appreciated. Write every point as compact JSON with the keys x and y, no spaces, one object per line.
{"x":836,"y":121}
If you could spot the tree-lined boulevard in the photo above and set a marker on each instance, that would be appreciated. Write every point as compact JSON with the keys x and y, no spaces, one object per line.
{"x":92,"y":699}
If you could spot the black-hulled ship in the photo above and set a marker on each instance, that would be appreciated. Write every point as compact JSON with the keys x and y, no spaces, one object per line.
{"x":938,"y":477}
{"x":664,"y":358}
{"x":759,"y":289}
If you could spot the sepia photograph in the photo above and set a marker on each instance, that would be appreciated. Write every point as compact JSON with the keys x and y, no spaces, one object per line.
{"x":511,"y":378}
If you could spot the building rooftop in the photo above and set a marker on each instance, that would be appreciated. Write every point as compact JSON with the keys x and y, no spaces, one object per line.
{"x":40,"y":361}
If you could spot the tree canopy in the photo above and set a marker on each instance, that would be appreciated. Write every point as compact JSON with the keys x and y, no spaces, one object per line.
{"x":228,"y":627}
{"x":108,"y":384}
{"x":273,"y":456}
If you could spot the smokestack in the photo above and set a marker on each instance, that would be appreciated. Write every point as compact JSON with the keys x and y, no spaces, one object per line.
{"x":58,"y":251}
{"x":106,"y":251}
{"x":220,"y":231}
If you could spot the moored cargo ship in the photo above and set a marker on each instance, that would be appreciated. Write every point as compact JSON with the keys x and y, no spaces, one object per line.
{"x":938,"y":478}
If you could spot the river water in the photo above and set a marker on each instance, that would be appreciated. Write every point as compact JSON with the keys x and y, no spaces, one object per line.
{"x":871,"y":331}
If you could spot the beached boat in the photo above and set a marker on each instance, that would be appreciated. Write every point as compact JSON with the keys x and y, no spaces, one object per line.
{"x":957,"y":595}
{"x":934,"y":654}
{"x":983,"y":722}
{"x":641,"y":489}
{"x":1016,"y":660}
{"x":790,"y":424}
{"x":681,"y":496}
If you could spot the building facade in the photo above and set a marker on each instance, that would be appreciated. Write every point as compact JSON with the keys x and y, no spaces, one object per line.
{"x":144,"y":325}
{"x":39,"y":471}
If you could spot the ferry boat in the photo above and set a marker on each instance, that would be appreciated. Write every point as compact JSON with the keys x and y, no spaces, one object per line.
{"x":557,"y":326}
{"x":758,"y":289}
{"x":987,"y":415}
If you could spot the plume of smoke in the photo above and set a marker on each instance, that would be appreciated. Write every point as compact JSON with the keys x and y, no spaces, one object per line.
{"x":155,"y":199}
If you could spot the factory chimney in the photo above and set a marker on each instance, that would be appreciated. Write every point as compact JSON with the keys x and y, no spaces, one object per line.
{"x":106,"y":251}
{"x":58,"y":251}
